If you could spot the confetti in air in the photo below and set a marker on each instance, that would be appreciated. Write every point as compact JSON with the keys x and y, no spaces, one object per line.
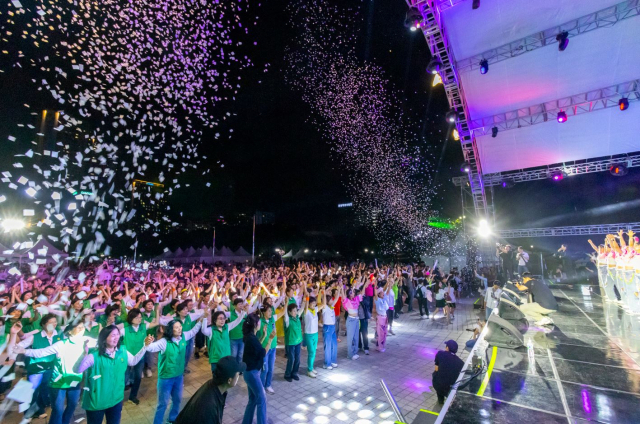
{"x":358,"y":111}
{"x":136,"y":83}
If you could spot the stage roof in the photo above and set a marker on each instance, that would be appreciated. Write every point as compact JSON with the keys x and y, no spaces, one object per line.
{"x":517,"y":85}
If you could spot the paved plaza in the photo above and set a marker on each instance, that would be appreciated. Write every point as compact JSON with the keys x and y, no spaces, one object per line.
{"x":351,"y":393}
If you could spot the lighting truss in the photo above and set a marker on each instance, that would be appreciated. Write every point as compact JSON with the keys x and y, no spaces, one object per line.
{"x":579,"y":230}
{"x":586,"y":166}
{"x":602,"y":18}
{"x":591,"y":101}
{"x":437,"y":41}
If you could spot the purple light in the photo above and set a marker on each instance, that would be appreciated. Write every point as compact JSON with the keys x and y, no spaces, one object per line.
{"x":562,"y":116}
{"x":586,"y":402}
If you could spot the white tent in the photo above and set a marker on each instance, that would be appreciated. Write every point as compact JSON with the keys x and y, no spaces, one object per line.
{"x":242,"y":252}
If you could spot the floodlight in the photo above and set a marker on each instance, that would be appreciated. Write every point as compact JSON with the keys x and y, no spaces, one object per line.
{"x":484,"y":66}
{"x":12,"y":224}
{"x":494,"y":132}
{"x":452,"y":116}
{"x":484,"y":230}
{"x":507,"y":184}
{"x":618,"y":170}
{"x":563,"y":40}
{"x":466,"y":167}
{"x":562,"y":116}
{"x":475,"y":4}
{"x":434,"y":66}
{"x":557,"y":176}
{"x":624,"y":103}
{"x":413,"y":19}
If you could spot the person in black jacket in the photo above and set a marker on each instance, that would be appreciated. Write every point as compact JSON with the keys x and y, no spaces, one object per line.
{"x":448,"y":367}
{"x":207,"y":404}
{"x":253,"y":356}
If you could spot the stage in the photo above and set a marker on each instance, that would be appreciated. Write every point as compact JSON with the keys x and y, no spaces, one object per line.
{"x":585,"y":369}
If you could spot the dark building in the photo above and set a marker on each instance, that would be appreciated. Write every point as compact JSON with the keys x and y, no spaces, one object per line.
{"x":150,"y":202}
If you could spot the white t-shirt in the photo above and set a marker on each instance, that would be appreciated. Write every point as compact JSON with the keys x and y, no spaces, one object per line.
{"x":328,"y":315}
{"x":390,"y":298}
{"x":381,"y":305}
{"x":311,"y":321}
{"x":493,"y":298}
{"x":452,"y":294}
{"x":524,"y":258}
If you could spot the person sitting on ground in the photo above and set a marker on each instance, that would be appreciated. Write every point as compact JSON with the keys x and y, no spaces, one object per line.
{"x":477,"y":329}
{"x":448,"y":367}
{"x":206,"y":406}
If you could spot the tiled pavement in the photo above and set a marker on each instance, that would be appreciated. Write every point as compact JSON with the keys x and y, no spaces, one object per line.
{"x":351,"y":393}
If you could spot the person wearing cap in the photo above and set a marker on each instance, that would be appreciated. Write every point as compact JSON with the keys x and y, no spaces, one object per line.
{"x":447,"y":370}
{"x":206,"y":406}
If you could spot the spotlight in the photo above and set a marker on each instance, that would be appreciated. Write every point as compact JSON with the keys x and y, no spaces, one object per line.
{"x":484,"y":66}
{"x":475,"y":4}
{"x":413,"y":19}
{"x":452,"y":116}
{"x":563,"y":40}
{"x":494,"y":132}
{"x":10,"y":224}
{"x":437,"y":79}
{"x":557,"y":176}
{"x":466,"y":167}
{"x":624,"y":103}
{"x":618,"y":170}
{"x":507,"y":184}
{"x":456,"y":135}
{"x":434,"y":66}
{"x":562,"y":116}
{"x":484,"y":230}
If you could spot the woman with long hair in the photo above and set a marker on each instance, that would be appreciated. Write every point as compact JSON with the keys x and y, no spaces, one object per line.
{"x":217,"y":335}
{"x":268,"y":320}
{"x":106,"y":368}
{"x":171,"y":363}
{"x":253,"y":356}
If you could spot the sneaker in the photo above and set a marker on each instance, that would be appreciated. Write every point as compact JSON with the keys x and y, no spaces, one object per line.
{"x":270,"y":390}
{"x":311,"y":374}
{"x":334,"y":365}
{"x":392,"y":333}
{"x":289,"y":379}
{"x":315,"y":372}
{"x":135,"y":401}
{"x":148,"y":372}
{"x":295,"y":377}
{"x":366,"y":352}
{"x":327,"y":367}
{"x":355,"y":357}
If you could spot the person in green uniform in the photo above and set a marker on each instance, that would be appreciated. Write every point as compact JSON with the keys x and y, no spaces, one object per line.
{"x":149,"y":315}
{"x":105,"y":371}
{"x":135,"y":332}
{"x":111,"y":316}
{"x":268,"y":320}
{"x":217,"y":336}
{"x":65,"y":382}
{"x":235,"y":335}
{"x":172,"y":348}
{"x":39,"y":370}
{"x":293,"y":340}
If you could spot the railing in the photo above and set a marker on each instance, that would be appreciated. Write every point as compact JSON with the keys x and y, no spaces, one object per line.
{"x":392,"y":402}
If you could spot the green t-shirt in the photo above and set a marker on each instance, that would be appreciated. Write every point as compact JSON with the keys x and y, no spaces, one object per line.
{"x":218,"y":344}
{"x":104,"y":381}
{"x":293,"y":331}
{"x":236,"y":333}
{"x":64,"y":377}
{"x":267,"y":327}
{"x":171,"y":361}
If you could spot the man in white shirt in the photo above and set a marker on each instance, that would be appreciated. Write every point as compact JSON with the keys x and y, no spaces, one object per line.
{"x":492,"y":298}
{"x":523,"y":259}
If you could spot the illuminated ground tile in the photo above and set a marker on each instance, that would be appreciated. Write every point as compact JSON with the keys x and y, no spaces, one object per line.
{"x":349,"y":394}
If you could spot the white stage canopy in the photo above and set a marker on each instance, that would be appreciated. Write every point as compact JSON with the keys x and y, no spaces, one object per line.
{"x":604,"y":57}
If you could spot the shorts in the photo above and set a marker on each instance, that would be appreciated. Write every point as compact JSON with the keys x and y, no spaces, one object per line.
{"x":440,"y":303}
{"x":451,"y":305}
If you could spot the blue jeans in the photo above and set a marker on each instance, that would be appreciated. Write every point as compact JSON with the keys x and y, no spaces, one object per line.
{"x":168,"y":387}
{"x":257,"y":398}
{"x":135,"y":377}
{"x":112,"y":414}
{"x":237,"y":349}
{"x":471,"y":343}
{"x":269,"y":363}
{"x":293,"y":361}
{"x":330,"y":339}
{"x":148,"y":360}
{"x":352,"y":336}
{"x":60,"y":414}
{"x":489,"y":310}
{"x":188,"y":353}
{"x":41,"y":396}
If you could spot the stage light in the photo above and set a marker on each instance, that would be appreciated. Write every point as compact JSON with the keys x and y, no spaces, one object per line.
{"x":12,"y":225}
{"x":466,"y":167}
{"x":437,"y":79}
{"x":452,"y":116}
{"x":484,"y":66}
{"x":413,"y":19}
{"x":455,"y":134}
{"x":434,"y":66}
{"x":563,"y":40}
{"x":494,"y":132}
{"x":618,"y":170}
{"x":484,"y":230}
{"x":557,"y":176}
{"x":562,"y":116}
{"x":507,"y":184}
{"x":475,"y":4}
{"x":624,"y":103}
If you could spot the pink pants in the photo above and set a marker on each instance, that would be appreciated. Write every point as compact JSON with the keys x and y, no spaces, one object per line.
{"x":381,"y":330}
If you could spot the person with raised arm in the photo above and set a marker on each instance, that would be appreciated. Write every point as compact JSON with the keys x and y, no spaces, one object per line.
{"x":217,"y":334}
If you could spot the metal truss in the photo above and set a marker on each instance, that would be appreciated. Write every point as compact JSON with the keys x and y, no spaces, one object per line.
{"x":568,"y":231}
{"x":586,"y":166}
{"x":602,"y":18}
{"x":591,"y":101}
{"x":436,"y":38}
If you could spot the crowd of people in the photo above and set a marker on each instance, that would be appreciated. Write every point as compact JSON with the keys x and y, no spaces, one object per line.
{"x":104,"y":329}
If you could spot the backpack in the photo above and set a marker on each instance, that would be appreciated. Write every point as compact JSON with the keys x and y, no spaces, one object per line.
{"x":419,"y":293}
